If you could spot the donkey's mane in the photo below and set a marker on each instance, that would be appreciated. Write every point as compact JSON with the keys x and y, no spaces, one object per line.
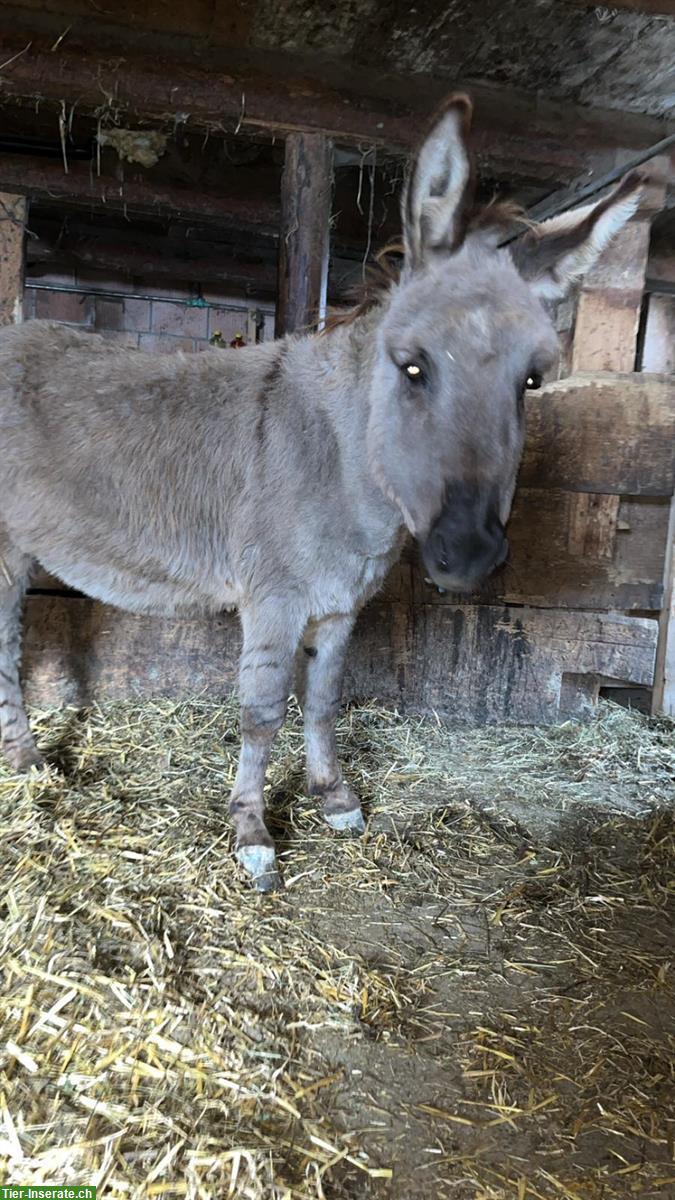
{"x":384,"y":270}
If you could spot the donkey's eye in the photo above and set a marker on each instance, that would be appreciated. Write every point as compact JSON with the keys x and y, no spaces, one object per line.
{"x":413,"y":372}
{"x":533,"y":382}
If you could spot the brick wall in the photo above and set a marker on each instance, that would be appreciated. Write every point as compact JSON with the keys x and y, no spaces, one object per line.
{"x":144,"y":315}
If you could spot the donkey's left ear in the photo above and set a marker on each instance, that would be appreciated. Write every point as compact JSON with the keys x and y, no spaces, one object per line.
{"x":551,"y":256}
{"x":439,"y":191}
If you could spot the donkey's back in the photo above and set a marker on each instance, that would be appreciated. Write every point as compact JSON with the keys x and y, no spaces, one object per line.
{"x":120,"y":470}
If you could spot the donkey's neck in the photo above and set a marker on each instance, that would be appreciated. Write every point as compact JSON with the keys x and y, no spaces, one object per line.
{"x":334,"y":373}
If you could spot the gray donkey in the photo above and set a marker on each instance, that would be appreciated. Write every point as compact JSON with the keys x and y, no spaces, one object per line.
{"x":282,"y":479}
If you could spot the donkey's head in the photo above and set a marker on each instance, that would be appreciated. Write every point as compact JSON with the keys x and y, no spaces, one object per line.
{"x":465,"y":333}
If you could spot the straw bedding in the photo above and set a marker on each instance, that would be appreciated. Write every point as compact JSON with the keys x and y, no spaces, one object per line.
{"x":453,"y":1006}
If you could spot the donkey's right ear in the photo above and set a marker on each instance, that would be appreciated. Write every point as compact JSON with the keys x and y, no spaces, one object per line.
{"x":440,"y":187}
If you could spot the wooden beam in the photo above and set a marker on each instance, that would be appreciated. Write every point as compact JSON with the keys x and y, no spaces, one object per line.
{"x":420,"y":657}
{"x":46,"y":179}
{"x":304,"y":234}
{"x":663,"y":692}
{"x":554,"y":563}
{"x":606,"y":334}
{"x":610,"y":302}
{"x":246,"y":266}
{"x":658,"y":353}
{"x":536,"y":137}
{"x":13,"y":211}
{"x":152,"y":257}
{"x":607,"y":433}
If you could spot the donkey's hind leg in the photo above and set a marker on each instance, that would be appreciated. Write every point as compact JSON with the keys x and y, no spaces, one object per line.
{"x":15,"y":735}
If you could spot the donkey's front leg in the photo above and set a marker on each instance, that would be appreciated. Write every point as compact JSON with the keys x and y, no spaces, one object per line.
{"x":271,"y":635}
{"x":325,"y":647}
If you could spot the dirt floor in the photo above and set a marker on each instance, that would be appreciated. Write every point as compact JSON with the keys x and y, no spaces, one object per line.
{"x":476,"y":1000}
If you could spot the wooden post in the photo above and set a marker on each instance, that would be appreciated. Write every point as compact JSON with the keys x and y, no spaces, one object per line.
{"x":13,"y":211}
{"x":610,"y":302}
{"x":606,"y":338}
{"x":304,"y":235}
{"x":658,"y":354}
{"x":663,"y":692}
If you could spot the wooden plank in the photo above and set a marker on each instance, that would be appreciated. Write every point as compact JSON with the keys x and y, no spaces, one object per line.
{"x":658,"y":352}
{"x":421,"y":657}
{"x":608,"y":313}
{"x":544,"y":569}
{"x":304,"y":234}
{"x":658,"y":347}
{"x":551,"y":566}
{"x":44,"y":178}
{"x":610,"y":301}
{"x":663,"y":692}
{"x":487,"y":665}
{"x":606,"y":329}
{"x":607,"y":433}
{"x":13,"y":211}
{"x":76,"y":650}
{"x":546,"y":139}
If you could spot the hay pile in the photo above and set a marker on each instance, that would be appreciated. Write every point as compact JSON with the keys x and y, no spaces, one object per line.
{"x":446,"y":1008}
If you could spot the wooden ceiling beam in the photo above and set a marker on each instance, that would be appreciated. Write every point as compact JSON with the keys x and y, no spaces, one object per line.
{"x":538,"y":138}
{"x":130,"y":254}
{"x":45,"y":179}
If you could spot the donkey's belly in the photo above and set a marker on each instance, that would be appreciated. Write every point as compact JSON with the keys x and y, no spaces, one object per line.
{"x":144,"y":592}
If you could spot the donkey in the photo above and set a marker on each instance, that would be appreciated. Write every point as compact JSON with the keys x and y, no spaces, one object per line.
{"x":283,"y":479}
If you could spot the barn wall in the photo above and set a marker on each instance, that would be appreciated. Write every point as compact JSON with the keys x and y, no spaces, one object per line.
{"x":146,"y":316}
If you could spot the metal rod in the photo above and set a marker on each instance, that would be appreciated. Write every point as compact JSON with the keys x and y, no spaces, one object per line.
{"x":85,"y":291}
{"x":572,"y":195}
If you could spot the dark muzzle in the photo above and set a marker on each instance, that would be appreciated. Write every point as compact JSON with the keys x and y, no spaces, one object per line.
{"x":467,"y":541}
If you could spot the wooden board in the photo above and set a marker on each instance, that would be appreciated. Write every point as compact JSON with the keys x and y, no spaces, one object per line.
{"x":486,"y":665}
{"x":658,"y":348}
{"x":609,"y":433}
{"x":477,"y":664}
{"x":663,"y":695}
{"x":13,"y":211}
{"x":76,"y":650}
{"x":553,"y":563}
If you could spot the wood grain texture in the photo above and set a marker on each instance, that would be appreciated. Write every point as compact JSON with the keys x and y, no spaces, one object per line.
{"x":304,"y":233}
{"x":476,"y":664}
{"x":663,"y":694}
{"x":551,"y":566}
{"x":13,"y":212}
{"x":612,"y":433}
{"x":547,"y":139}
{"x":487,"y":665}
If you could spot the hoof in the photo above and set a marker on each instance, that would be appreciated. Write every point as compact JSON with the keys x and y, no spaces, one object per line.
{"x":352,"y":821}
{"x":25,"y":759}
{"x":260,"y":863}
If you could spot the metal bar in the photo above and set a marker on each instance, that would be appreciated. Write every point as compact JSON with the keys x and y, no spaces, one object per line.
{"x":85,"y":291}
{"x":562,"y":200}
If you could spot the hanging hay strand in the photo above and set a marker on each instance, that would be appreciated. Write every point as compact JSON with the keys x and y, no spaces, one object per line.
{"x":457,"y":1005}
